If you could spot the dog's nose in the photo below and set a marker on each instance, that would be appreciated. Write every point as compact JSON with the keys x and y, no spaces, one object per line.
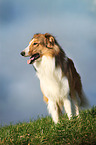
{"x":22,"y":53}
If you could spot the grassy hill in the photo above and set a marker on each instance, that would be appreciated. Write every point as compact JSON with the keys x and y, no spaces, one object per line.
{"x":77,"y":131}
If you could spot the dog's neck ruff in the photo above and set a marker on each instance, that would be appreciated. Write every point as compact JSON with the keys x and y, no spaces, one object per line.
{"x":52,"y":81}
{"x":45,"y":64}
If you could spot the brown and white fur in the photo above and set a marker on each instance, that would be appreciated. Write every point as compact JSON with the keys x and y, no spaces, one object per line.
{"x":59,"y":81}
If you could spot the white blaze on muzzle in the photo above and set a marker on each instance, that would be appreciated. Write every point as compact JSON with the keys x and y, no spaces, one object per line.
{"x":26,"y":50}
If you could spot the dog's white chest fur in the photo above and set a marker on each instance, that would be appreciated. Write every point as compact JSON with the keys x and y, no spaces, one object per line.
{"x":53,"y":84}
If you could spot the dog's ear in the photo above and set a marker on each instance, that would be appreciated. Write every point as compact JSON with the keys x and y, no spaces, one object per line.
{"x":49,"y":41}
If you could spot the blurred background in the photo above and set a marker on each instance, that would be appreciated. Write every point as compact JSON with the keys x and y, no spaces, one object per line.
{"x":72,"y":22}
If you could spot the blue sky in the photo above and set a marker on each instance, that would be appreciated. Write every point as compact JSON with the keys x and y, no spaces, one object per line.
{"x":73,"y":23}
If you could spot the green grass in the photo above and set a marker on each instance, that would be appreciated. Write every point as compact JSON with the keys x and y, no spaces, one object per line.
{"x":77,"y":131}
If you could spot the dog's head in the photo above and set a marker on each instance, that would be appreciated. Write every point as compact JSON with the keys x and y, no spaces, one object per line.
{"x":40,"y":45}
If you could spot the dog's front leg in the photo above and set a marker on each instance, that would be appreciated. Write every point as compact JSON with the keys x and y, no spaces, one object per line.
{"x":53,"y":110}
{"x":68,"y":106}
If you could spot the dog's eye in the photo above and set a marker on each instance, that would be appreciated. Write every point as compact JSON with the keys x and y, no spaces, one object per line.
{"x":35,"y":43}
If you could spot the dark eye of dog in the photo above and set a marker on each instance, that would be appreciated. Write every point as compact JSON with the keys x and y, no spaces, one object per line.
{"x":35,"y":43}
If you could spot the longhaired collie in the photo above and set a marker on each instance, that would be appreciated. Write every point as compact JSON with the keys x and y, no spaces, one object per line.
{"x":59,"y":81}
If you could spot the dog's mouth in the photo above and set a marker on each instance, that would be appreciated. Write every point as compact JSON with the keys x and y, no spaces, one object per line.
{"x":33,"y":58}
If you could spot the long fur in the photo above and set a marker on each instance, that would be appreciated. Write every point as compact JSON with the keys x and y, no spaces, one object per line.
{"x":59,"y":81}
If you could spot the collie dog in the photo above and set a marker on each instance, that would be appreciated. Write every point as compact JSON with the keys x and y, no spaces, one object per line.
{"x":59,"y":81}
